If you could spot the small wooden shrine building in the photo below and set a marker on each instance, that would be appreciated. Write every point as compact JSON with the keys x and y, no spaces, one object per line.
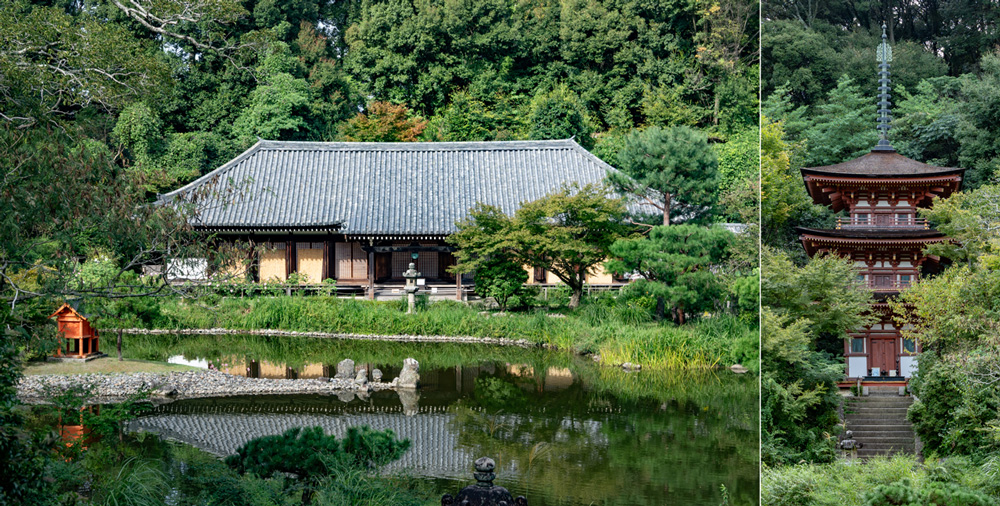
{"x":355,"y":212}
{"x":881,"y":193}
{"x":79,"y":338}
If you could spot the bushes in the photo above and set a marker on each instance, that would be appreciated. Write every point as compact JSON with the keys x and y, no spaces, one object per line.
{"x":898,"y":481}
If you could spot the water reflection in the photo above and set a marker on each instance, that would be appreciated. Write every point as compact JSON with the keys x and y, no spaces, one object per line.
{"x":563,"y":434}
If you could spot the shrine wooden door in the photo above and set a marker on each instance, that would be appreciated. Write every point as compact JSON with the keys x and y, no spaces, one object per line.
{"x":883,"y":355}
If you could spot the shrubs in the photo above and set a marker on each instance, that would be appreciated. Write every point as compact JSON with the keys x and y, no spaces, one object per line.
{"x":309,"y":455}
{"x":898,"y":481}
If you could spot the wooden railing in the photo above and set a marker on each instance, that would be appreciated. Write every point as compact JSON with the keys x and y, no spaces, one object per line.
{"x":919,"y":223}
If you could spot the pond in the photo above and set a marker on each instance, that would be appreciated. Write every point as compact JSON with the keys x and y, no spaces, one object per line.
{"x":563,"y":430}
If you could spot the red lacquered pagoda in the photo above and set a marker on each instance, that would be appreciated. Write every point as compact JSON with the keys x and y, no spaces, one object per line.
{"x":881,"y":192}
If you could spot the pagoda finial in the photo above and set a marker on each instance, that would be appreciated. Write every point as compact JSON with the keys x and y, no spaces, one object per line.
{"x":883,"y":56}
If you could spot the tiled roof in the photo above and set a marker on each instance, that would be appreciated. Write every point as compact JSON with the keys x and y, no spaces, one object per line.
{"x":366,"y":188}
{"x":881,"y":164}
{"x":873,"y":233}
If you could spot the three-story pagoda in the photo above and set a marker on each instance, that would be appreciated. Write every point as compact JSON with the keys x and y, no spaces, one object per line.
{"x":881,"y":192}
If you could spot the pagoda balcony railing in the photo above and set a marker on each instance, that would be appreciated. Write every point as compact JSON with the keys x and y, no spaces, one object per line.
{"x":893,"y":286}
{"x":911,"y":223}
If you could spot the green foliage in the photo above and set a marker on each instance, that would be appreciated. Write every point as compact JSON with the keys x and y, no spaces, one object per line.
{"x":23,"y":476}
{"x":309,"y":455}
{"x":675,"y":263}
{"x":942,"y":494}
{"x":671,"y":169}
{"x":739,"y":159}
{"x":823,"y":291}
{"x":747,"y":293}
{"x":841,"y":128}
{"x":502,"y":279}
{"x":806,"y":310}
{"x":559,"y":114}
{"x":880,"y":481}
{"x":567,"y":233}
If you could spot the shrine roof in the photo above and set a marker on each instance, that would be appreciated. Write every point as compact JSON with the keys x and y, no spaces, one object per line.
{"x":872,"y":233}
{"x":880,"y":164}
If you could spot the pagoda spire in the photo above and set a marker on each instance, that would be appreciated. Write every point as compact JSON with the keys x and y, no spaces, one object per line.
{"x":883,"y":56}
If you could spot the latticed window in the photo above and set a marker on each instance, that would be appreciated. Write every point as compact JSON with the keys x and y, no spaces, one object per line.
{"x":857,"y":345}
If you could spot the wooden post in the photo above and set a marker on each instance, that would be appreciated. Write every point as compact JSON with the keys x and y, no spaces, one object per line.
{"x":371,"y":274}
{"x":326,"y":260}
{"x":119,"y":345}
{"x":289,"y":257}
{"x":458,"y":286}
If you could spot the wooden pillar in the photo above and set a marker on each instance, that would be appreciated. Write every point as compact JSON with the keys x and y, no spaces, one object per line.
{"x":326,"y":259}
{"x":289,"y":256}
{"x":371,"y":274}
{"x":458,"y":286}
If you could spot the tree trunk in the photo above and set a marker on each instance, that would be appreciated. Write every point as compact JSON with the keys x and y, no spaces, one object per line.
{"x":307,"y":496}
{"x":574,"y":299}
{"x":666,"y":208}
{"x":680,"y":314}
{"x":119,"y":344}
{"x":661,"y":308}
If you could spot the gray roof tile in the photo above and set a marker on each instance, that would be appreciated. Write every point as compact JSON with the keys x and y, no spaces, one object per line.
{"x":375,"y":188}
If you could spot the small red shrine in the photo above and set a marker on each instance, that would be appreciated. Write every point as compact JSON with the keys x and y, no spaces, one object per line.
{"x":881,"y":193}
{"x":79,"y":339}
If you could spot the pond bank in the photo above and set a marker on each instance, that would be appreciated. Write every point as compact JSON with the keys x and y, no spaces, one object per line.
{"x":184,"y":385}
{"x":403,"y":338}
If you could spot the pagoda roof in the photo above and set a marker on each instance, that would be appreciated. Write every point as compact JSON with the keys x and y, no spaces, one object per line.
{"x":882,"y":164}
{"x":872,"y":233}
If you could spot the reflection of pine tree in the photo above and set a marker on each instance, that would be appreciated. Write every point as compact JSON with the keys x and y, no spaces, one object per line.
{"x":309,"y":455}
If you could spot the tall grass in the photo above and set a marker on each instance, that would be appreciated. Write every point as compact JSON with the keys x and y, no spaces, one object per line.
{"x":846,"y":482}
{"x":619,"y":333}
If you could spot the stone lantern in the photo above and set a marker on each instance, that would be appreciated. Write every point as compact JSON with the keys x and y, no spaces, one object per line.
{"x":484,"y":492}
{"x":411,"y":287}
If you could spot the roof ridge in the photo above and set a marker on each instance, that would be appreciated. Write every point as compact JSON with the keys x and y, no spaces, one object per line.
{"x":419,"y":146}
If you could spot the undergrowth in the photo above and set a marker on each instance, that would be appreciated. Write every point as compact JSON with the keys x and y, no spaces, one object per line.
{"x":618,"y":333}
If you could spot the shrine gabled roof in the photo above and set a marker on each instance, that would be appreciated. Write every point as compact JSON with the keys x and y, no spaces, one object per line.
{"x":381,"y":188}
{"x":881,"y":164}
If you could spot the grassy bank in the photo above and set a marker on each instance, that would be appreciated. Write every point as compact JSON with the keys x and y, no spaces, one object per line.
{"x":618,"y":334}
{"x":874,"y":482}
{"x":106,"y":365}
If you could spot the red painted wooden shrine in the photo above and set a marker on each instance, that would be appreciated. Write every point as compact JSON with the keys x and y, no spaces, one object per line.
{"x":881,"y":193}
{"x":79,"y":339}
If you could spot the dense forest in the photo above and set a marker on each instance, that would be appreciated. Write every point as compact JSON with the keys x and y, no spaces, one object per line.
{"x":171,"y":90}
{"x":818,"y":104}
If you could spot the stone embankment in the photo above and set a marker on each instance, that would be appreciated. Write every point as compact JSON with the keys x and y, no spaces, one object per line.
{"x":211,"y":383}
{"x":403,"y":338}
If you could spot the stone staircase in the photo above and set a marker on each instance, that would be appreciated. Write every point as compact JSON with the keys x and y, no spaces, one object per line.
{"x":879,"y":422}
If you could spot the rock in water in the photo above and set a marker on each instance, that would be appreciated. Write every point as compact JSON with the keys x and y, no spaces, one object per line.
{"x":362,"y":377}
{"x":345,"y":369}
{"x":738,"y":369}
{"x":377,"y":375}
{"x":410,"y":376}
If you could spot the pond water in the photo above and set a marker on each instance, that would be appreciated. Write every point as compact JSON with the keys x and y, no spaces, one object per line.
{"x":563,"y":430}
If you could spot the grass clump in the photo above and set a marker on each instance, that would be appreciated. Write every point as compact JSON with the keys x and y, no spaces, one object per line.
{"x":876,"y":481}
{"x":619,"y":332}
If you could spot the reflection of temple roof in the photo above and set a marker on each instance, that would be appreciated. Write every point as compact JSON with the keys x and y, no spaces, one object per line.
{"x":882,"y":164}
{"x":435,"y":451}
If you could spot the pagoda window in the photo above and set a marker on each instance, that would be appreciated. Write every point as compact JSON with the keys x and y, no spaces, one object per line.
{"x":857,"y":345}
{"x":905,"y":280}
{"x":909,"y":345}
{"x":903,"y":219}
{"x":861,"y":218}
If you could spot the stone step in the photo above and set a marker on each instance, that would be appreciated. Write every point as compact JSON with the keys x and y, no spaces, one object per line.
{"x":894,"y":437}
{"x":879,"y":399}
{"x":850,"y":408}
{"x":865,"y":452}
{"x":903,"y":447}
{"x":904,"y":427}
{"x":874,"y":418}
